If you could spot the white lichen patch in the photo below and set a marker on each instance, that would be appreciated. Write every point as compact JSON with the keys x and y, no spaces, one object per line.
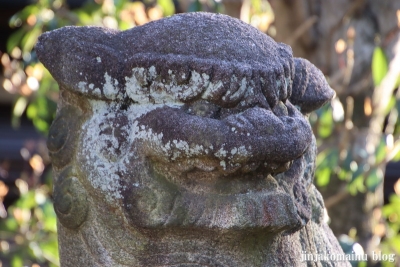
{"x":102,"y":173}
{"x":242,"y":151}
{"x":278,"y":85}
{"x":103,"y":165}
{"x":96,"y":92}
{"x":222,"y":163}
{"x":145,"y":86}
{"x":195,"y":86}
{"x":212,"y":89}
{"x":142,"y":86}
{"x":106,"y":157}
{"x":172,"y":149}
{"x":288,"y":83}
{"x":233,"y":151}
{"x":233,"y":157}
{"x":221,"y":153}
{"x":82,"y":87}
{"x":152,"y":71}
{"x":237,"y":89}
{"x":109,"y":88}
{"x":136,"y":86}
{"x":183,"y":148}
{"x":249,"y":92}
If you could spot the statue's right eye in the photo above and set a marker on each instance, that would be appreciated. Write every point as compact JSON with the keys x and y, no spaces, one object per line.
{"x":203,"y":108}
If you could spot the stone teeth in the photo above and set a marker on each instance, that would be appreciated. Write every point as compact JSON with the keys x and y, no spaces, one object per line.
{"x":269,"y":88}
{"x":250,"y":167}
{"x":237,"y":89}
{"x":275,"y":167}
{"x":182,"y":76}
{"x":280,"y":109}
{"x":205,"y":166}
{"x":284,"y":89}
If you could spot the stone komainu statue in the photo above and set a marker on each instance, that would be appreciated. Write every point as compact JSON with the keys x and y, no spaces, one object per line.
{"x":184,"y":142}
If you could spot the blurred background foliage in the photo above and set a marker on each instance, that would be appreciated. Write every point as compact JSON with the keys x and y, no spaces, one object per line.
{"x":28,"y":228}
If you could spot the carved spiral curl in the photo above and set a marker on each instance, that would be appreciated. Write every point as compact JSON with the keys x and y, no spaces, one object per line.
{"x":70,"y":200}
{"x":63,"y":135}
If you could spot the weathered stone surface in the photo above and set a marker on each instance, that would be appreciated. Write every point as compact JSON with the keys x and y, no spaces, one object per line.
{"x":178,"y":143}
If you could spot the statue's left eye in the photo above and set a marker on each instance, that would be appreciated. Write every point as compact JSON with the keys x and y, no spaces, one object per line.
{"x":203,"y":108}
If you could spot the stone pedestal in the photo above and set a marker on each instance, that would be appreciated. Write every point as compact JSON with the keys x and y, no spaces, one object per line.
{"x":184,"y":142}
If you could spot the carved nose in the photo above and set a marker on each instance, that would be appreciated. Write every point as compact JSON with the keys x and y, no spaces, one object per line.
{"x":310,"y":88}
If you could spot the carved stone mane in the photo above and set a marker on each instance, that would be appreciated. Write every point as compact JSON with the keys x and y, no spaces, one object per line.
{"x":184,"y":142}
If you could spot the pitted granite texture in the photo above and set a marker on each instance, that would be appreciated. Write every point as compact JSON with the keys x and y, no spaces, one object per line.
{"x":184,"y":142}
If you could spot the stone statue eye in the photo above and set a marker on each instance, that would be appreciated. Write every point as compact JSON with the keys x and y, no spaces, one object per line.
{"x":203,"y":108}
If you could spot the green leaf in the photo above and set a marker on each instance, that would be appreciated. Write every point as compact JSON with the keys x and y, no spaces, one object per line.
{"x":397,"y":82}
{"x":84,"y":17}
{"x":42,"y":111}
{"x":35,"y":251}
{"x":345,"y":175}
{"x":323,"y":177}
{"x":374,"y":180}
{"x":15,"y":39}
{"x":397,"y":157}
{"x":19,"y":108}
{"x":380,"y":152}
{"x":167,"y":6}
{"x":325,"y":123}
{"x":328,"y":158}
{"x":391,"y":104}
{"x":31,"y":112}
{"x":15,"y":21}
{"x":41,"y":125}
{"x":324,"y":131}
{"x":17,"y":261}
{"x":50,"y":221}
{"x":10,"y":225}
{"x":379,"y":65}
{"x":396,"y":243}
{"x":26,"y":201}
{"x":346,"y":164}
{"x":50,"y":249}
{"x":256,"y":5}
{"x":357,"y":173}
{"x":33,"y":9}
{"x":195,"y":6}
{"x":30,"y":38}
{"x":120,"y":4}
{"x":124,"y":26}
{"x":356,"y":185}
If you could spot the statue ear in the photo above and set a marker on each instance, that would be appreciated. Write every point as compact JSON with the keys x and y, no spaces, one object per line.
{"x":78,"y":54}
{"x":310,"y":89}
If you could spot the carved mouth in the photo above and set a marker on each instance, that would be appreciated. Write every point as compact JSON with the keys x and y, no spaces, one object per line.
{"x":205,"y":176}
{"x":238,"y":154}
{"x":208,"y":199}
{"x":193,"y":175}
